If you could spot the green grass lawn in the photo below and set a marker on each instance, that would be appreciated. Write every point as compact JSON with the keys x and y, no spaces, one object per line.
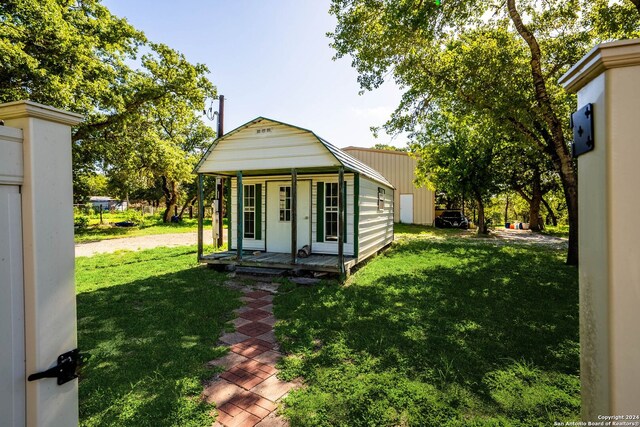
{"x":438,"y":331}
{"x":558,"y":231}
{"x":150,"y":321}
{"x":152,"y":225}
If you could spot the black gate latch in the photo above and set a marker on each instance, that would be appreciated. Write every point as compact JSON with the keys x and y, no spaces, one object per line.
{"x":65,"y":371}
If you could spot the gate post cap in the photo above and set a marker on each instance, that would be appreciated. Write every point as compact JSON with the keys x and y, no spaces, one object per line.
{"x":605,"y":56}
{"x":21,"y":109}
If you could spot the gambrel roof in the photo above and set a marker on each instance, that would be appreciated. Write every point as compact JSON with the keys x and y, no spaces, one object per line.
{"x":267,"y":146}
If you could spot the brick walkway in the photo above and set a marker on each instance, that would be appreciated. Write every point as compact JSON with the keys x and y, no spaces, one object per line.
{"x":247,"y":393}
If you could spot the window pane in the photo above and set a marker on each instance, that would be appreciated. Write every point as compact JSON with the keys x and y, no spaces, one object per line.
{"x":331,"y":226}
{"x":249,"y":211}
{"x":331,"y":196}
{"x":331,"y":211}
{"x":249,"y":197}
{"x":285,"y":204}
{"x":249,"y":225}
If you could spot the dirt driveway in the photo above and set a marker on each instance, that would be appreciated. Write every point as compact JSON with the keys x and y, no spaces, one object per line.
{"x":136,"y":243}
{"x":528,"y":237}
{"x":500,"y":235}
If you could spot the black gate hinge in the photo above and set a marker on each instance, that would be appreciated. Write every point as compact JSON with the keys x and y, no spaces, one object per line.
{"x":65,"y":370}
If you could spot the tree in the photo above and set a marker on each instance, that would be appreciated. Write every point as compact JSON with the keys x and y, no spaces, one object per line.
{"x":388,"y":147}
{"x":164,"y":139}
{"x":143,"y":125}
{"x":532,"y":177}
{"x":460,"y":156}
{"x":408,"y":40}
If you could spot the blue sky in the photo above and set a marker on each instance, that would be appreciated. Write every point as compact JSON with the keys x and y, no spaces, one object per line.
{"x":272,"y":59}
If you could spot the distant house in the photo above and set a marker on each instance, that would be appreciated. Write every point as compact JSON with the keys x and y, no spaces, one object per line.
{"x":107,"y":203}
{"x":414,"y":205}
{"x":291,"y":189}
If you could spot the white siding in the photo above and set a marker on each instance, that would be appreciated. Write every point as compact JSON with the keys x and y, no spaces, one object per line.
{"x":376,"y":227}
{"x":267,"y":145}
{"x":316,"y":247}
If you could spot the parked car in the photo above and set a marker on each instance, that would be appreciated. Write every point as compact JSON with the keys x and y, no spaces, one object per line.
{"x":452,"y":219}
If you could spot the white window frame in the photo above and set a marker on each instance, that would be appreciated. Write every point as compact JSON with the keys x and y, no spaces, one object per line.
{"x":333,"y":210}
{"x":249,"y":208}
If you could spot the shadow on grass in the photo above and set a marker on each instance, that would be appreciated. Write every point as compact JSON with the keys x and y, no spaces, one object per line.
{"x":438,"y":333}
{"x":149,"y":340}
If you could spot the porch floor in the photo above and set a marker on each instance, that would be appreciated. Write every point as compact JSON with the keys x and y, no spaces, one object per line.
{"x":315,"y":262}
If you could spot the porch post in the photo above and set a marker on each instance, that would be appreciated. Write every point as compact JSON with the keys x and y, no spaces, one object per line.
{"x":200,"y":215}
{"x":240,"y":224}
{"x":294,"y":215}
{"x":220,"y":190}
{"x":341,"y":223}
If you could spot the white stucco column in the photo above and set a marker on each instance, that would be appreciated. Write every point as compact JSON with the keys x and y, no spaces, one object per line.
{"x":609,"y":233}
{"x":48,"y":248}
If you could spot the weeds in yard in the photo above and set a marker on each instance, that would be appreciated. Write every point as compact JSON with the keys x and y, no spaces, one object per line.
{"x":150,"y":321}
{"x":437,"y":331}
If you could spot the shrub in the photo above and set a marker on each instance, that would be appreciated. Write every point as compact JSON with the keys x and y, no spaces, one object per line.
{"x":81,"y":221}
{"x":135,"y":216}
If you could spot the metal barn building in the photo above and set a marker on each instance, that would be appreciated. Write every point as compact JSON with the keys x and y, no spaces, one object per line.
{"x":413,"y":205}
{"x":296,"y":201}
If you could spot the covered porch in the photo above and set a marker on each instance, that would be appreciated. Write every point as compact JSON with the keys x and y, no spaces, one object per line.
{"x":314,"y":262}
{"x":296,"y":223}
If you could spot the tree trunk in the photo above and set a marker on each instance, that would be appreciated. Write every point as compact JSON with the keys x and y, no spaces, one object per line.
{"x":563,"y":162}
{"x":534,"y":201}
{"x":482,"y":224}
{"x":206,"y":194}
{"x":506,"y":210}
{"x":170,"y":190}
{"x":535,"y":220}
{"x":188,"y":203}
{"x":550,"y":213}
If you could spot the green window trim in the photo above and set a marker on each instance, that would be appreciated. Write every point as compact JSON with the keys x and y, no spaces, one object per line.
{"x":320,"y":212}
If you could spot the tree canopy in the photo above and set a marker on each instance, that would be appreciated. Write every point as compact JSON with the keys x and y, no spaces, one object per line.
{"x":142,"y":126}
{"x":494,"y":60}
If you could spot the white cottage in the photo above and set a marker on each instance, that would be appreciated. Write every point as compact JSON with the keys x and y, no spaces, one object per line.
{"x":291,"y":190}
